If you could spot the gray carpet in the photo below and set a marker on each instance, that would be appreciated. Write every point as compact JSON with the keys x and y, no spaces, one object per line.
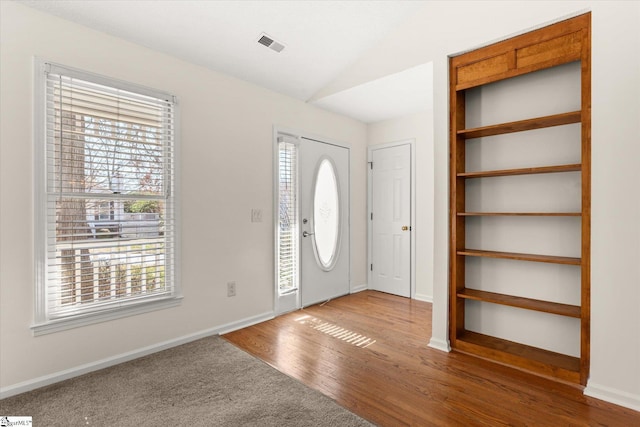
{"x":208,"y":382}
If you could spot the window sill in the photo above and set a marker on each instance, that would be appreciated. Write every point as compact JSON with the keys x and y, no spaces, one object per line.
{"x":102,"y":316}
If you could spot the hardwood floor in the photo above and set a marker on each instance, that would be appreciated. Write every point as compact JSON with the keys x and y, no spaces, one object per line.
{"x":368,"y":351}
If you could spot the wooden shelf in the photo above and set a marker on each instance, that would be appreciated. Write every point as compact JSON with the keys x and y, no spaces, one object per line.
{"x":521,"y":302}
{"x":519,"y":214}
{"x":522,"y":125}
{"x":577,"y":167}
{"x":520,"y":257}
{"x":526,"y":54}
{"x":534,"y":359}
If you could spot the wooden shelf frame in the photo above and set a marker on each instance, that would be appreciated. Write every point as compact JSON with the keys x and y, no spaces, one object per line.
{"x":577,"y":167}
{"x":520,"y":256}
{"x":556,"y":44}
{"x":521,"y":302}
{"x":555,"y":214}
{"x":543,"y":362}
{"x":522,"y":125}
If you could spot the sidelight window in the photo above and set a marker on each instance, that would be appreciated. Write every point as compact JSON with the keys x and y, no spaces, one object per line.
{"x":288,"y":216}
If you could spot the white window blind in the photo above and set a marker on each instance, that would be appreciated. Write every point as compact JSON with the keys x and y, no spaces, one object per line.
{"x":288,"y":216}
{"x":110,"y":211}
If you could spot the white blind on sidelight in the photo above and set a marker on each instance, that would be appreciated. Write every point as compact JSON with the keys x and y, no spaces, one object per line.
{"x":110,"y":237}
{"x":288,"y":216}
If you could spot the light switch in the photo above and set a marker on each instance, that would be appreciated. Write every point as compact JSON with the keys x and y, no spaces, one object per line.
{"x":256,"y":215}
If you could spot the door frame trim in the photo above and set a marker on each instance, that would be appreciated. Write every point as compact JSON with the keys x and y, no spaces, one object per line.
{"x":295,"y":133}
{"x":412,"y":256}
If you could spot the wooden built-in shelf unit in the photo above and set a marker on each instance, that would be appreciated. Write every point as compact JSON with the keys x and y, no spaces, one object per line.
{"x":561,"y":43}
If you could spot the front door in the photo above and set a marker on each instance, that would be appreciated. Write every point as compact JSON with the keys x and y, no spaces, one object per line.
{"x":391,"y":220}
{"x":324,"y":228}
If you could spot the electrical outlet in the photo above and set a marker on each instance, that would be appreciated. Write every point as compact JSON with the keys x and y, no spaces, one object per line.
{"x":231,"y":289}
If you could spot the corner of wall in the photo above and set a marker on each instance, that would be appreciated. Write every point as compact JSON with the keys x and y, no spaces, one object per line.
{"x":359,"y":288}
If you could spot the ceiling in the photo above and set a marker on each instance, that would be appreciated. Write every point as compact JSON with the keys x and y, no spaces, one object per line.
{"x":321,"y":39}
{"x":392,"y":96}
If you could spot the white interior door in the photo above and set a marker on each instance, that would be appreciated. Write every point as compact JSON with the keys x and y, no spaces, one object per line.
{"x":391,"y":220}
{"x":324,"y":209}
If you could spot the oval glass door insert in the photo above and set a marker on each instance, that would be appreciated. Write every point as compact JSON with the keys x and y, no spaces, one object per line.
{"x":326,"y":214}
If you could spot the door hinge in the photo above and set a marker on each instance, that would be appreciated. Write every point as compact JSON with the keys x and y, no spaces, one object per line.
{"x":371,"y":216}
{"x":370,"y":165}
{"x":371,"y":267}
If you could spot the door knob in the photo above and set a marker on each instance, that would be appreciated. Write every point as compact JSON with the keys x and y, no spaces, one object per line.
{"x":306,"y":234}
{"x":405,"y":227}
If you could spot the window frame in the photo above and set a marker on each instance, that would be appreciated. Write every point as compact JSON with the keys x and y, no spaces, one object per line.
{"x":42,"y":324}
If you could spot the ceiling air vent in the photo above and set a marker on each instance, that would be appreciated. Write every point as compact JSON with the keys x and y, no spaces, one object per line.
{"x":267,"y":41}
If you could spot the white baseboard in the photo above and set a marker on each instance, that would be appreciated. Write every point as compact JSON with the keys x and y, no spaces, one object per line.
{"x":423,"y":297}
{"x":419,"y":297}
{"x":622,"y":398}
{"x":438,"y":344}
{"x":359,"y":288}
{"x":243,"y":323}
{"x":125,"y":357}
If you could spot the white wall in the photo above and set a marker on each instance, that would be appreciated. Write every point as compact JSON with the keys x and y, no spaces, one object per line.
{"x":445,"y":28}
{"x":543,"y":93}
{"x":226,"y":135}
{"x":416,"y":127}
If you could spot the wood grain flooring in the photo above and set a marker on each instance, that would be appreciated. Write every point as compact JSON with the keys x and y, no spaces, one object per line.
{"x":368,"y":351}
